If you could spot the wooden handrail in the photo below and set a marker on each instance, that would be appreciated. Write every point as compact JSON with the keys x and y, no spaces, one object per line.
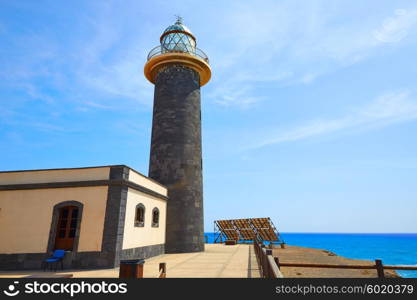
{"x":276,"y":273}
{"x":401,"y":267}
{"x":267,"y":264}
{"x":387,"y":267}
{"x":378,"y":266}
{"x":304,"y":265}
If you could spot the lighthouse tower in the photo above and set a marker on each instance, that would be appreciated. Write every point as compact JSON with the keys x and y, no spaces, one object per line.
{"x":178,"y":69}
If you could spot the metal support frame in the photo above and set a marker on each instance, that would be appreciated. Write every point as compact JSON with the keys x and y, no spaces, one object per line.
{"x":218,"y":233}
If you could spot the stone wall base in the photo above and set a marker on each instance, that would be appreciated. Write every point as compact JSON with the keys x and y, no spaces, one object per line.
{"x":77,"y":260}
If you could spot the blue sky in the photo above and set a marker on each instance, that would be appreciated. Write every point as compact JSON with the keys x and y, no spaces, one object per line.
{"x":310,"y":117}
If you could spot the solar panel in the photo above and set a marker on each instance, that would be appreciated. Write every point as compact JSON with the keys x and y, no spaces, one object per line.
{"x":228,"y":229}
{"x":247,"y":229}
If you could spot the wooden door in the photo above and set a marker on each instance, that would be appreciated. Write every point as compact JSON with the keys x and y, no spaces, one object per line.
{"x":66,"y":228}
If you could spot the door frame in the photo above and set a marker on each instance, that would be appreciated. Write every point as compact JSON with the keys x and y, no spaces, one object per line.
{"x":54,"y":224}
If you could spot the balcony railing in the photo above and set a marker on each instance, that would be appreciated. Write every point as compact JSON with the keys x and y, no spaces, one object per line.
{"x":159,"y":50}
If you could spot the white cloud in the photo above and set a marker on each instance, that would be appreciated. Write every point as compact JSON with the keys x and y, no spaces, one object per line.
{"x":249,"y":44}
{"x":263,"y":42}
{"x":397,"y":27}
{"x":387,"y":109}
{"x":99,"y":61}
{"x":229,"y":95}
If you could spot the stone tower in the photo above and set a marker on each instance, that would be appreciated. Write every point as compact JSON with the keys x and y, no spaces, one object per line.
{"x":178,"y":69}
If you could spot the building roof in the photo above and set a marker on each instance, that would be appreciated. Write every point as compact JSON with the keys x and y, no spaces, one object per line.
{"x":178,"y":26}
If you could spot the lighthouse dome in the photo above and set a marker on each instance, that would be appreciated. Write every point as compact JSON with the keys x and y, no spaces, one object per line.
{"x":178,"y":38}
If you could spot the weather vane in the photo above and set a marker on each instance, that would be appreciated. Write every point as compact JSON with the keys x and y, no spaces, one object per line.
{"x":179,"y":19}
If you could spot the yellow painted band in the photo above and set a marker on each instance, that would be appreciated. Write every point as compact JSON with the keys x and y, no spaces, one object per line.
{"x":153,"y":65}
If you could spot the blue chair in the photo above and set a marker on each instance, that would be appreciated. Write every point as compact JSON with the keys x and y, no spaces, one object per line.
{"x":57,"y":257}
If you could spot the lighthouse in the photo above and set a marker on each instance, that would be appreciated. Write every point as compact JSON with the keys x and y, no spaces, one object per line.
{"x":178,"y":69}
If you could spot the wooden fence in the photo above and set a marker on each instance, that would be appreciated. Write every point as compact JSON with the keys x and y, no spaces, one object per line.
{"x":379,"y":266}
{"x":269,"y":266}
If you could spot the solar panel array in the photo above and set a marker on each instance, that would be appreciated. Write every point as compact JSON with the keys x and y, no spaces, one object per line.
{"x":246,"y":229}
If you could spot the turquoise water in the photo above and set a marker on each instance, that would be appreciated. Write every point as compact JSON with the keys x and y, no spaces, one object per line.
{"x":392,"y":249}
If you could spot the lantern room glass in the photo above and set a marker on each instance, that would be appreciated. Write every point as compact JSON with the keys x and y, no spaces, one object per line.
{"x":179,"y":39}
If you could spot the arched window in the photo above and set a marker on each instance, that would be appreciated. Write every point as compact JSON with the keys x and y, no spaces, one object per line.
{"x":155,"y":217}
{"x":140,"y":215}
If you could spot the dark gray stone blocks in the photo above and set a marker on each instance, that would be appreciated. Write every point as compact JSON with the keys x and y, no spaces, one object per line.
{"x":175,"y":158}
{"x":142,"y":252}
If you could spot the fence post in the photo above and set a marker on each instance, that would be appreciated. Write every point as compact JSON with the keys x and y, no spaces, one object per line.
{"x":269,"y":269}
{"x":277,"y":261}
{"x":379,"y":268}
{"x":264,"y":262}
{"x":162,"y":270}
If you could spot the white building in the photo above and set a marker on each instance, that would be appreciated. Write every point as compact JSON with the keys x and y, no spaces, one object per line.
{"x":100,"y":215}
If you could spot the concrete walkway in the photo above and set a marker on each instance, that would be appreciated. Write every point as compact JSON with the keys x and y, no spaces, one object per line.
{"x":217,"y":261}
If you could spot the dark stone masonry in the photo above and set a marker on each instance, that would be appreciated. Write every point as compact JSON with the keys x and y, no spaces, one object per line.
{"x":175,"y":158}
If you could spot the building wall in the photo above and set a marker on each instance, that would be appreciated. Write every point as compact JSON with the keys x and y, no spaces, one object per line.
{"x":59,"y":175}
{"x":147,"y":183}
{"x":135,"y":237}
{"x":26,"y":215}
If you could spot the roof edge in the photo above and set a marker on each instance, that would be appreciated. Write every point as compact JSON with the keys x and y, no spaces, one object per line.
{"x":81,"y":168}
{"x":59,"y":169}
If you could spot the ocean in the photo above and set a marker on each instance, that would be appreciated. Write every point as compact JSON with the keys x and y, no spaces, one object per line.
{"x":391,"y":248}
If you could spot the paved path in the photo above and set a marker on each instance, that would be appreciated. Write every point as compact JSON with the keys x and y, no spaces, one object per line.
{"x":217,"y":261}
